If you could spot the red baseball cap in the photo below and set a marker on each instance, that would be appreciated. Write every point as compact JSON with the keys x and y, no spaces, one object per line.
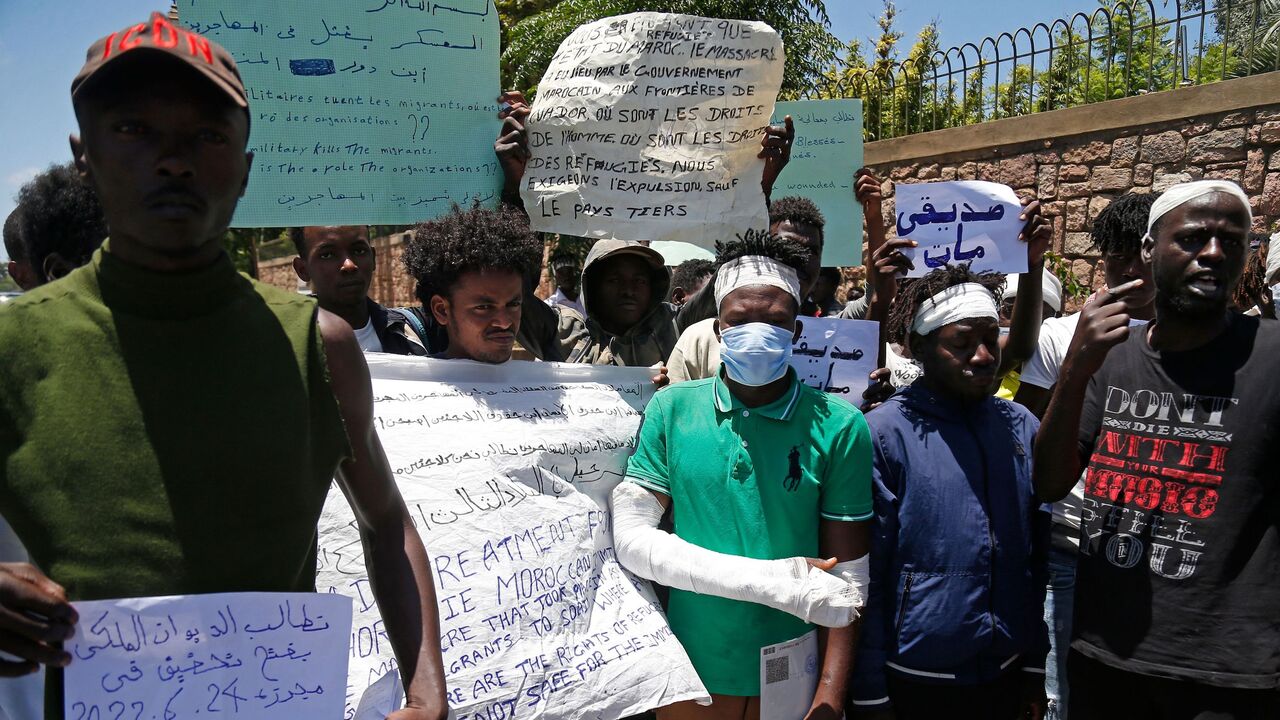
{"x":159,"y":35}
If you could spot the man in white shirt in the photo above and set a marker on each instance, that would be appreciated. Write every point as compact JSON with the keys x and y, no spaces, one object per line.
{"x":339,"y":261}
{"x":1117,"y":233}
{"x":568,"y":272}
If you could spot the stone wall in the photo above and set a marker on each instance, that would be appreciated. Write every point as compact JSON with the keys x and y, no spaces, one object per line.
{"x":1078,"y":175}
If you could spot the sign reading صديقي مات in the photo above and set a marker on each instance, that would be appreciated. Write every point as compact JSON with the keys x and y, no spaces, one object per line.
{"x":374,"y":112}
{"x":647,"y":126}
{"x":836,"y":356}
{"x":506,"y":471}
{"x":968,"y":221}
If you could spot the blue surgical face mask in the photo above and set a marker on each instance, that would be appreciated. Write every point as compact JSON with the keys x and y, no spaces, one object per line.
{"x":756,"y":353}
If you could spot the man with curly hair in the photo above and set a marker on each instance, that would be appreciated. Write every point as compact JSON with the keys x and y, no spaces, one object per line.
{"x":61,"y":222}
{"x":953,"y":623}
{"x":339,"y":262}
{"x":470,"y":266}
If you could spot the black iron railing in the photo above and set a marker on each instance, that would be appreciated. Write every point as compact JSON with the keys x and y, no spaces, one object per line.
{"x":1128,"y":48}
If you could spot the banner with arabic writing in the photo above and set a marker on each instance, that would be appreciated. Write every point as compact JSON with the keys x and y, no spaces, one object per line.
{"x":362,"y":112}
{"x":506,"y":470}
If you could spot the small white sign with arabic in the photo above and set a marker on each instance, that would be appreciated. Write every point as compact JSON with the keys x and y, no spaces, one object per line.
{"x":969,"y":221}
{"x":258,"y":656}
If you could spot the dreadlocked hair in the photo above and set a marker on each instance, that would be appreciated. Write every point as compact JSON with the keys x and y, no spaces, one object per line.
{"x":1254,"y":278}
{"x":787,"y":251}
{"x":440,"y":251}
{"x":1120,"y":226}
{"x":912,"y":294}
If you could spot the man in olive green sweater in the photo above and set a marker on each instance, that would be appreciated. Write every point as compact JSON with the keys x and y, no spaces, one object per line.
{"x":168,"y":426}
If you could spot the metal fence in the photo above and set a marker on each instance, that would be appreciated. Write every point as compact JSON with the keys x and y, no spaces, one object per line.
{"x":1123,"y":49}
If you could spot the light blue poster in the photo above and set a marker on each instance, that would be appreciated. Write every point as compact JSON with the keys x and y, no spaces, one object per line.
{"x":362,"y":112}
{"x":826,"y":153}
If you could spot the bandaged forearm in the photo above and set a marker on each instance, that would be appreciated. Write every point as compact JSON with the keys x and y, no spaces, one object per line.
{"x":790,"y":585}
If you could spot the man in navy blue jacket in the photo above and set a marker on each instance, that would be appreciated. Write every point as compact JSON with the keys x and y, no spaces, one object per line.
{"x":953,"y":626}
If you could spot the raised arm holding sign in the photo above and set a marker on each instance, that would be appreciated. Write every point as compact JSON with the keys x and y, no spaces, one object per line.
{"x":646,"y":127}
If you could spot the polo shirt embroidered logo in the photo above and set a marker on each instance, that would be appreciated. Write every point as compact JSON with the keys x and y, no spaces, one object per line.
{"x":792,"y":483}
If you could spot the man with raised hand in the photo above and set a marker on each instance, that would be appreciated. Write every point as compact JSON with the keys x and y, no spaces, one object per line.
{"x":174,"y":427}
{"x":953,"y":624}
{"x":624,"y":284}
{"x":1176,"y":422}
{"x":761,"y":473}
{"x":339,"y":262}
{"x":1117,"y":233}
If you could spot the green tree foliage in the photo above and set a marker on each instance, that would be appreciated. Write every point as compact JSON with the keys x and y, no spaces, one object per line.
{"x":1250,"y":34}
{"x":895,"y":100}
{"x":803,"y":24}
{"x":6,"y":283}
{"x":511,"y":13}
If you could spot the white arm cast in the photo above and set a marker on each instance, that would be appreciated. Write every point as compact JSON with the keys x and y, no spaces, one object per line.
{"x":790,"y":585}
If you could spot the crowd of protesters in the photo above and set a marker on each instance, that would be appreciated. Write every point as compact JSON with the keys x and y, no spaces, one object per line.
{"x":1029,"y":515}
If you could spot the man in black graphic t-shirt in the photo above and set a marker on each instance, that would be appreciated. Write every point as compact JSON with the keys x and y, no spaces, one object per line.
{"x":1178,"y":592}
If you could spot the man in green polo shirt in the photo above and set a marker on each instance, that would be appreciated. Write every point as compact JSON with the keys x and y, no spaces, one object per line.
{"x":761,"y":473}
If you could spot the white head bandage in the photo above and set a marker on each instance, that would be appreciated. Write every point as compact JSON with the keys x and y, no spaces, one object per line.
{"x":1050,"y":288}
{"x":1273,"y":259}
{"x":956,"y":303}
{"x":756,"y":270}
{"x":1186,"y":192}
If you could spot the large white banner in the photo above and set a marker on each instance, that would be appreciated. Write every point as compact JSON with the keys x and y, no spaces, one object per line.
{"x":507,"y":470}
{"x":647,"y":127}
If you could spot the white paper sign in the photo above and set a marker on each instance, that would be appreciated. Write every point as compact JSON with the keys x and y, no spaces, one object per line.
{"x":257,"y":656}
{"x":968,"y":221}
{"x":836,"y":355}
{"x":647,"y":127}
{"x":789,"y":678}
{"x":506,"y":471}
